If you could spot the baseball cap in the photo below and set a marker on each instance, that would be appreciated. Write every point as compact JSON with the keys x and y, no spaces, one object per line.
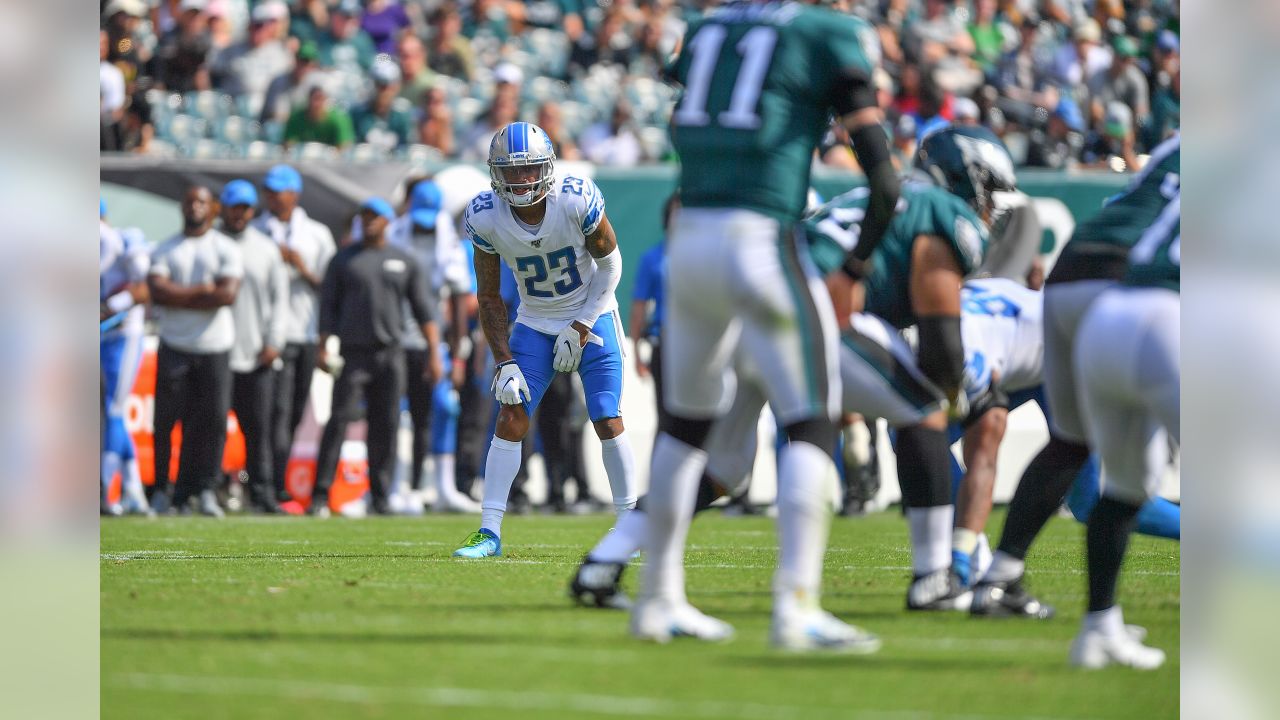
{"x":385,"y":71}
{"x":1069,"y":113}
{"x":269,"y":11}
{"x":350,"y":8}
{"x":1088,"y":31}
{"x":1118,"y":120}
{"x":307,"y":52}
{"x":1125,"y":46}
{"x":965,"y":108}
{"x":379,"y":206}
{"x":188,"y":5}
{"x":281,"y":178}
{"x":425,"y":203}
{"x":239,"y":192}
{"x":1168,"y":41}
{"x":508,"y":73}
{"x":135,"y":8}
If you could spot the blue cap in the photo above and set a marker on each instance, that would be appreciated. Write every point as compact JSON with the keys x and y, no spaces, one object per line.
{"x":379,"y":206}
{"x":424,"y":204}
{"x":283,"y":178}
{"x":102,"y":207}
{"x":1167,"y":41}
{"x":239,"y":192}
{"x":1069,"y":112}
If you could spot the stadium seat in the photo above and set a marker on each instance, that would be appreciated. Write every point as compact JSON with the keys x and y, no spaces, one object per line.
{"x":262,"y":150}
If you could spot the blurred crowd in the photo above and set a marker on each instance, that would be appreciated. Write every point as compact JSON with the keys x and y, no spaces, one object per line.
{"x":1066,"y":83}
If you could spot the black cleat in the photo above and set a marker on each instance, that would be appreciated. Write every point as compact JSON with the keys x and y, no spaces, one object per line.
{"x":939,"y":590}
{"x":599,"y":584}
{"x":1007,"y":599}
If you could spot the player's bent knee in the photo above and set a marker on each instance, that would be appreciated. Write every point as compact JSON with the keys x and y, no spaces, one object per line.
{"x":513,"y":423}
{"x":608,"y":428}
{"x":690,"y":431}
{"x":818,"y":432}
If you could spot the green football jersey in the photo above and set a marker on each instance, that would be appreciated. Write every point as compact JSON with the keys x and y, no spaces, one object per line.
{"x":1099,"y":248}
{"x":832,"y":231}
{"x":759,"y":87}
{"x":1156,"y":261}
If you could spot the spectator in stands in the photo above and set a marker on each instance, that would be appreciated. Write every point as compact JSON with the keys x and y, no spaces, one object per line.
{"x":1112,"y":143}
{"x":503,"y":111}
{"x":319,"y":122}
{"x":436,"y":128}
{"x":247,"y":68}
{"x":940,"y":35}
{"x":385,"y":121}
{"x":450,"y":52}
{"x":904,"y":141}
{"x":221,"y":31}
{"x":306,"y":247}
{"x":550,"y":120}
{"x":987,"y":35}
{"x":488,"y":17}
{"x":179,"y":62}
{"x":1074,"y":63}
{"x":615,"y":142}
{"x":290,"y":89}
{"x":123,"y":19}
{"x":111,"y":96}
{"x":1059,"y":145}
{"x":362,"y":302}
{"x":261,"y":314}
{"x":343,"y":44}
{"x":193,"y":281}
{"x":1122,"y":82}
{"x":965,"y":112}
{"x":306,"y":18}
{"x":1166,"y":103}
{"x":1021,"y":73}
{"x":415,"y":76}
{"x":136,"y":129}
{"x":384,"y":20}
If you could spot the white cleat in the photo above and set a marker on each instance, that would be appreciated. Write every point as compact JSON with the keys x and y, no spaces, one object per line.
{"x":1093,"y":650}
{"x":660,"y":620}
{"x":819,"y":631}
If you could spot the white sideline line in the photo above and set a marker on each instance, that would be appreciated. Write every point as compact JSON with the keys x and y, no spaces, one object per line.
{"x":491,"y":699}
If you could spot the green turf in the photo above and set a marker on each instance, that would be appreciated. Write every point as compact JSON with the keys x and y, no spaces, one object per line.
{"x":302,"y":619}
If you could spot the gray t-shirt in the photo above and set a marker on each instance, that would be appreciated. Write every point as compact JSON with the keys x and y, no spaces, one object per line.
{"x":261,"y":309}
{"x":193,"y":261}
{"x":313,"y":241}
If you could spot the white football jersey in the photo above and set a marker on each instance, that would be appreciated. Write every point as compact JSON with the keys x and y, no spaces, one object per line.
{"x":551,"y":263}
{"x":1001,"y":325}
{"x":123,"y":259}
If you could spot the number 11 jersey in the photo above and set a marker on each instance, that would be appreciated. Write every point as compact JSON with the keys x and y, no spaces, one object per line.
{"x":550,"y":262}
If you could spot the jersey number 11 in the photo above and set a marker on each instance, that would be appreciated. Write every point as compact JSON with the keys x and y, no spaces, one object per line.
{"x":756,"y":49}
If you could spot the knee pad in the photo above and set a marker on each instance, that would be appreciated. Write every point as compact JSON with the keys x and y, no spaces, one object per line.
{"x":689,"y":431}
{"x":924,"y":467}
{"x":818,"y":432}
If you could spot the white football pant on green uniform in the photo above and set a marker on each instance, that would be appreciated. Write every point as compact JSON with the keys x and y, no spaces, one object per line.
{"x":1065,"y":305}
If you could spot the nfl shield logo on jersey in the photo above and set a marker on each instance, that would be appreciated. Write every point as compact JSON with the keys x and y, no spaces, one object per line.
{"x":536,"y":243}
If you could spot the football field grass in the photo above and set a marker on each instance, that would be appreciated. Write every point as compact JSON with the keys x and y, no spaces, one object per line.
{"x":302,"y":619}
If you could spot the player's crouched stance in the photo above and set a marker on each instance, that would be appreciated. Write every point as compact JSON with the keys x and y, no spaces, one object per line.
{"x":563,"y":251}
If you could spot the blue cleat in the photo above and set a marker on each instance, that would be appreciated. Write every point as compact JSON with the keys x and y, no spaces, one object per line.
{"x":479,"y":544}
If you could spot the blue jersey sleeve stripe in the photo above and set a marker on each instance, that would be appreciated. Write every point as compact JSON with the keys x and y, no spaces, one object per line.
{"x":592,"y":219}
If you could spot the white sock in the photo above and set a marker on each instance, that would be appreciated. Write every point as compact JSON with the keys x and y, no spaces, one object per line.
{"x":620,"y":543}
{"x":110,"y":466}
{"x":500,"y":470}
{"x":1004,"y":568}
{"x":131,"y":481}
{"x":964,"y":540}
{"x":673,"y":487}
{"x":1108,"y":622}
{"x":620,"y":466}
{"x":446,"y":483}
{"x":930,"y":538}
{"x":803,"y":521}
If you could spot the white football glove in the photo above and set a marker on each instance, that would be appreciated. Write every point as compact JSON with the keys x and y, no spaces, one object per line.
{"x":568,"y":350}
{"x":508,"y":385}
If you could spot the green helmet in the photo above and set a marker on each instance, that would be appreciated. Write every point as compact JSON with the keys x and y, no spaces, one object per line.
{"x":970,"y":162}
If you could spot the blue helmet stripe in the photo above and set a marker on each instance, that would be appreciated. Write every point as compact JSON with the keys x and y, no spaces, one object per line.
{"x":518,"y":137}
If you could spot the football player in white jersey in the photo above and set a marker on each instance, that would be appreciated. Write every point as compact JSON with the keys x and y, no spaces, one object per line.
{"x":555,"y":237}
{"x":123,"y":260}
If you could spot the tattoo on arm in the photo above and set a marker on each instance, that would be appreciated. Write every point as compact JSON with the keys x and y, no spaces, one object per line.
{"x":493,"y":311}
{"x":603,"y":241}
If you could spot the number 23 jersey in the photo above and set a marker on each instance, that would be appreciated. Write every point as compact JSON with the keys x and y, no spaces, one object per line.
{"x":550,"y":262}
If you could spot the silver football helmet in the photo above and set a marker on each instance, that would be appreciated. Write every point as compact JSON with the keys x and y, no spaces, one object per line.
{"x":521,"y":164}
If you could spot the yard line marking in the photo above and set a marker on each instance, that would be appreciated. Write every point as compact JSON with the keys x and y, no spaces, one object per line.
{"x":508,"y":700}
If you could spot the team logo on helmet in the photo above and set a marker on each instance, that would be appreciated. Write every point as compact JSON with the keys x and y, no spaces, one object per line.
{"x":521,"y":164}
